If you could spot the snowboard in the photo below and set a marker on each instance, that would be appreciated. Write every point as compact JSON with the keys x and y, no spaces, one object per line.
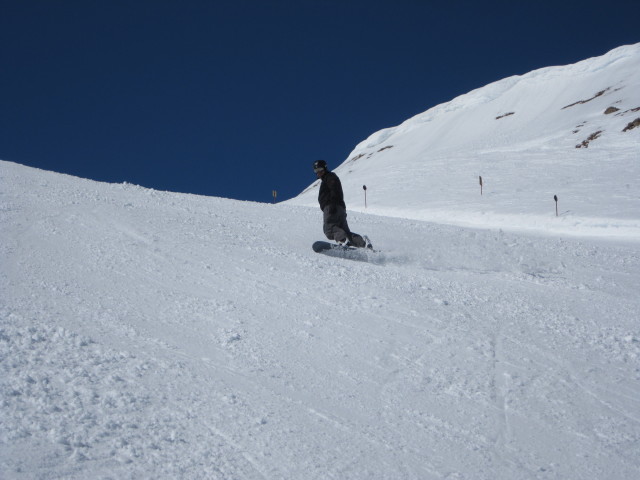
{"x":321,"y":246}
{"x":367,"y":255}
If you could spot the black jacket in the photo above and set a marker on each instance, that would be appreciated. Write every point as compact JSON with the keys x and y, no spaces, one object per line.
{"x":330,"y":191}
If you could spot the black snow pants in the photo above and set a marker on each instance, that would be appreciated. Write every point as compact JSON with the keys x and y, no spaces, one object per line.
{"x":336,"y":227}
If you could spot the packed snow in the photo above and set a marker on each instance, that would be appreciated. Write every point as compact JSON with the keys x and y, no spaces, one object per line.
{"x":148,"y":334}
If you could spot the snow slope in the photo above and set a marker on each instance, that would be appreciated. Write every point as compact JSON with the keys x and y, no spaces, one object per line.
{"x":156,"y":335}
{"x":520,"y":135}
{"x":148,"y":334}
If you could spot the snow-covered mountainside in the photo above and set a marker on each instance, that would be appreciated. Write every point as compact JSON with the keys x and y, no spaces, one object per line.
{"x":148,"y":334}
{"x":571,"y":131}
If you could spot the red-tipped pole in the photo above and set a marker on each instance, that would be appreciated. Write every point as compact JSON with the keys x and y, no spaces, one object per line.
{"x":555,"y":197}
{"x":364,"y":187}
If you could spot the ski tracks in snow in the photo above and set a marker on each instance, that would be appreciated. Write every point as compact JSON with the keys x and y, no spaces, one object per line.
{"x":159,"y":335}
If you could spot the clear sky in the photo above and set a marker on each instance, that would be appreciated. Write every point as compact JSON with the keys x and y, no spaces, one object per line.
{"x":237,"y":98}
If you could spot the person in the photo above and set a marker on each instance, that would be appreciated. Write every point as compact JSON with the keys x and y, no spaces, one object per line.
{"x":334,"y":210}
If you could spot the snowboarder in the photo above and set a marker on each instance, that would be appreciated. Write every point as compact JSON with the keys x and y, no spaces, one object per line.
{"x":334,"y":210}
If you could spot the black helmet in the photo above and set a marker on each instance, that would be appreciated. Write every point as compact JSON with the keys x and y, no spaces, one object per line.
{"x":319,"y":164}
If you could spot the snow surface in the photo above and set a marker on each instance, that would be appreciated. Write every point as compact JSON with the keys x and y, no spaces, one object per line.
{"x":148,"y":334}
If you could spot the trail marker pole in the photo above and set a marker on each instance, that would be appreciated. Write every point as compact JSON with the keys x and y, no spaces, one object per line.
{"x":555,"y":197}
{"x":275,"y":195}
{"x":364,"y":187}
{"x":480,"y":184}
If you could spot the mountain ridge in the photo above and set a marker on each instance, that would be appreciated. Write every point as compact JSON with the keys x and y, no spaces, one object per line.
{"x":486,"y":94}
{"x":527,"y":136}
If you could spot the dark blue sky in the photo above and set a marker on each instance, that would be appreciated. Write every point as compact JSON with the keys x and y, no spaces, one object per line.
{"x":237,"y":98}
